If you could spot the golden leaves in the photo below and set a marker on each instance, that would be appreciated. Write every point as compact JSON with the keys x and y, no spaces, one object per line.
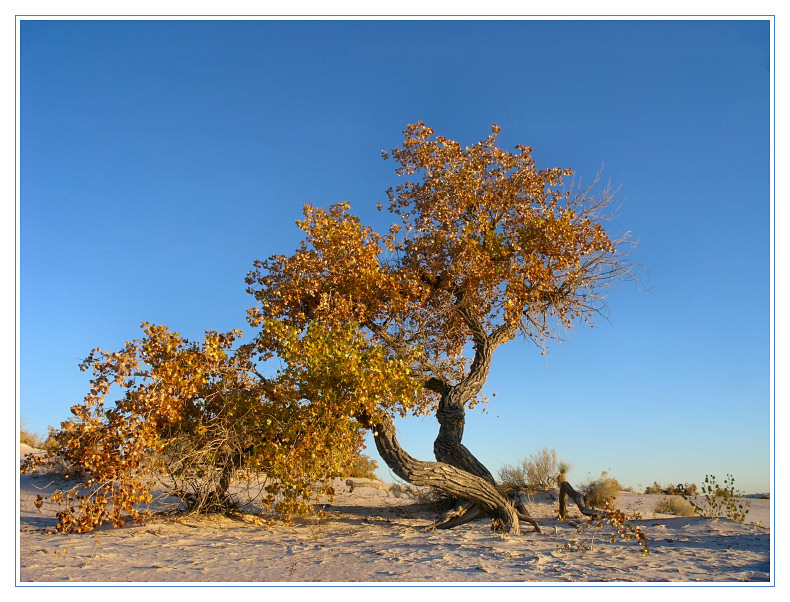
{"x":363,"y":323}
{"x":166,"y":384}
{"x":485,"y":241}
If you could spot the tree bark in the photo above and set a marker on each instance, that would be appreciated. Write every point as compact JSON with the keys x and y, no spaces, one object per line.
{"x":451,"y":479}
{"x":457,"y":471}
{"x":448,"y":448}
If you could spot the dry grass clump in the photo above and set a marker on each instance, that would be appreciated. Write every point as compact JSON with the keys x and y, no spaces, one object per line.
{"x":674,"y":505}
{"x":430,"y":498}
{"x":34,"y":439}
{"x":602,"y":490}
{"x":539,"y":472}
{"x":29,"y":438}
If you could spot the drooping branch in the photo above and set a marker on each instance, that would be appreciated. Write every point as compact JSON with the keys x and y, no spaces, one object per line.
{"x":433,"y":382}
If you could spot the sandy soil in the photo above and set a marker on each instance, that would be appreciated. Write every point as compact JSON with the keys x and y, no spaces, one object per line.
{"x":370,"y":536}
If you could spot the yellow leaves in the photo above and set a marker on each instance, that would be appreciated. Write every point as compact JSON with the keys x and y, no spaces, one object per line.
{"x":178,"y":385}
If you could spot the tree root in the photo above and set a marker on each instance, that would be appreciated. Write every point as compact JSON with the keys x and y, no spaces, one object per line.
{"x":466,"y":512}
{"x":566,"y":491}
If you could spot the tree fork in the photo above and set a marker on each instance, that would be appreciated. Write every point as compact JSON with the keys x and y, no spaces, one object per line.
{"x":443,"y":476}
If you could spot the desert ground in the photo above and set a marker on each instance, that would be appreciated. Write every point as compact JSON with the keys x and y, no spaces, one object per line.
{"x":371,"y":535}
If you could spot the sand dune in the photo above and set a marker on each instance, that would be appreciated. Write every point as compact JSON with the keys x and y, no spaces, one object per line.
{"x":369,"y":536}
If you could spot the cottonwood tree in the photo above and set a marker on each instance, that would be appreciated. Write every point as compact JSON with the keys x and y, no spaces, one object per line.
{"x":361,"y":326}
{"x":486,"y":247}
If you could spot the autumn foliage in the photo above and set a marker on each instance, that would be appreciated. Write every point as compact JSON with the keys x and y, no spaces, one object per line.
{"x":350,"y":329}
{"x":191,"y":416}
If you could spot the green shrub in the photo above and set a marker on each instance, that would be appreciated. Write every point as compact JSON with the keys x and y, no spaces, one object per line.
{"x":602,"y":490}
{"x":674,"y":505}
{"x":720,"y":500}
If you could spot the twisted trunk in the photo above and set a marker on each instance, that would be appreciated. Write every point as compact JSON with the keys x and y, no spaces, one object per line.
{"x":455,"y":481}
{"x":448,"y":448}
{"x":457,"y":471}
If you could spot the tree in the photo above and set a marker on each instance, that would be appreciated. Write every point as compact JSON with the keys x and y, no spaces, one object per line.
{"x":488,"y":248}
{"x":363,"y":326}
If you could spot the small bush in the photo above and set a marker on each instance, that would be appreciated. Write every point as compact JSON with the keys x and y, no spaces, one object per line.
{"x":720,"y":500}
{"x":674,"y":505}
{"x":364,"y":467}
{"x":539,"y":472}
{"x":29,"y":438}
{"x":656,"y":488}
{"x":602,"y":490}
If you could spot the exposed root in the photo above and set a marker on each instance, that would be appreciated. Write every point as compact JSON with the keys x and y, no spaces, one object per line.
{"x":466,"y":512}
{"x":566,"y":491}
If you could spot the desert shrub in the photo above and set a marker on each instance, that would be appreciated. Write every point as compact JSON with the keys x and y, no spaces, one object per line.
{"x":537,"y":473}
{"x":28,"y":438}
{"x":674,"y":505}
{"x":623,"y":528}
{"x":600,"y":491}
{"x":364,"y":467}
{"x":194,"y":417}
{"x":48,"y":442}
{"x":689,"y":488}
{"x":720,"y":500}
{"x":678,"y":489}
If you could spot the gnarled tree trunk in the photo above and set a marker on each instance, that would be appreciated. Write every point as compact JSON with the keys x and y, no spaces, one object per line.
{"x":479,"y":492}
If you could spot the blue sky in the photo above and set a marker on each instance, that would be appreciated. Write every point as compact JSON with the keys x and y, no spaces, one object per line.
{"x":158,"y":159}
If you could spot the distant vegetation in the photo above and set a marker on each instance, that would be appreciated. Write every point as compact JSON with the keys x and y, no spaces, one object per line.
{"x":539,"y":472}
{"x":602,"y":490}
{"x":656,"y":487}
{"x":674,"y":505}
{"x":34,"y":439}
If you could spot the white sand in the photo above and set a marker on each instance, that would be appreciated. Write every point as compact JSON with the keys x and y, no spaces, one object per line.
{"x":368,"y":536}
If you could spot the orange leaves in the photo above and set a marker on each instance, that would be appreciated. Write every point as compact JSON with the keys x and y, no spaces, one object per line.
{"x":336,"y":275}
{"x":363,"y":323}
{"x":166,"y":383}
{"x":486,"y":242}
{"x":501,"y":233}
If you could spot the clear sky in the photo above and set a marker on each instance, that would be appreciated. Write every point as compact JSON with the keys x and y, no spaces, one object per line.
{"x":160,"y":158}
